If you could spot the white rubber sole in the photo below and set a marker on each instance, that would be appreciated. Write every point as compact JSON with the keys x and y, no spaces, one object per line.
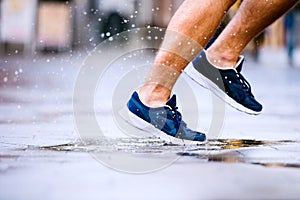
{"x":192,"y":73}
{"x":149,"y":128}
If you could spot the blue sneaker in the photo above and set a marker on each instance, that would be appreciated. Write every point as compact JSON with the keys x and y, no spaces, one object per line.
{"x":224,"y":81}
{"x":164,"y":122}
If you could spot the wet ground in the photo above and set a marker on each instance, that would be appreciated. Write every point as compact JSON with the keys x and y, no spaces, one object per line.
{"x":43,"y":156}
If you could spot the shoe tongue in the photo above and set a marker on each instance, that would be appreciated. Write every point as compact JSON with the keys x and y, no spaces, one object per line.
{"x":172,"y":101}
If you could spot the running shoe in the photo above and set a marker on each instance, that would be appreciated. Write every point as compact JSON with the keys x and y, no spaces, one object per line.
{"x":228,"y":84}
{"x":164,"y":122}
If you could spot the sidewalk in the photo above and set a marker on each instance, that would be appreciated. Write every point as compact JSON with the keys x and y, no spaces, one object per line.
{"x":41,"y":156}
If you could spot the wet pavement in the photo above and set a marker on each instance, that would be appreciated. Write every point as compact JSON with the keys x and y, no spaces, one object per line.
{"x":43,"y":156}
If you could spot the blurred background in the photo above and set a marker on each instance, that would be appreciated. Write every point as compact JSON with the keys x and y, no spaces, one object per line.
{"x":58,"y":25}
{"x":32,"y":26}
{"x":44,"y":43}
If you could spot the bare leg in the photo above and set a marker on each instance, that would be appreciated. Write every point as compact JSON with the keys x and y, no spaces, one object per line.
{"x":195,"y":20}
{"x":252,"y":18}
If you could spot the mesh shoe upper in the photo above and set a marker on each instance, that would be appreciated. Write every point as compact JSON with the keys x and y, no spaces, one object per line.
{"x":231,"y":81}
{"x":238,"y":88}
{"x":166,"y":118}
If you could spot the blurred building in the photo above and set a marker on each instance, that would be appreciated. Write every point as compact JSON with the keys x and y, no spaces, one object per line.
{"x":17,"y":23}
{"x":57,"y":25}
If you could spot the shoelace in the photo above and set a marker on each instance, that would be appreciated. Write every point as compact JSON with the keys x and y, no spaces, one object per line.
{"x":244,"y":83}
{"x":176,"y":115}
{"x":180,"y":125}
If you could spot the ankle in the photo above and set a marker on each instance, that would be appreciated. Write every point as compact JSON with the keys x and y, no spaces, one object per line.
{"x":222,"y":59}
{"x":154,"y":95}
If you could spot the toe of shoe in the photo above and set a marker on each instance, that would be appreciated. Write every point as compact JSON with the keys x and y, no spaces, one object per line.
{"x":200,"y":137}
{"x":193,"y":136}
{"x":252,"y":104}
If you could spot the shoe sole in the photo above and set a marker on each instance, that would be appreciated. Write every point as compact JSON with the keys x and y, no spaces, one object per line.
{"x":141,"y":124}
{"x":193,"y":74}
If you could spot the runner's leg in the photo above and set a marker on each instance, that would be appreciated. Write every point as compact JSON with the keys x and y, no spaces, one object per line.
{"x":251,"y":19}
{"x":188,"y":31}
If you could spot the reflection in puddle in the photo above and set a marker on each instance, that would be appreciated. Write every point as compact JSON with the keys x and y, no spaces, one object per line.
{"x":5,"y":156}
{"x":233,"y":144}
{"x":278,"y":165}
{"x":148,"y":144}
{"x":225,"y":151}
{"x":131,"y":145}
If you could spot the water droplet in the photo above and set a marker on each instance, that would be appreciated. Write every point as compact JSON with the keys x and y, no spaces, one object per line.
{"x":5,"y":79}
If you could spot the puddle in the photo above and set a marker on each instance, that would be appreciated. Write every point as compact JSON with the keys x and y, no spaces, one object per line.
{"x":6,"y":156}
{"x":150,"y":143}
{"x":225,"y":151}
{"x":264,"y":153}
{"x":131,"y":145}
